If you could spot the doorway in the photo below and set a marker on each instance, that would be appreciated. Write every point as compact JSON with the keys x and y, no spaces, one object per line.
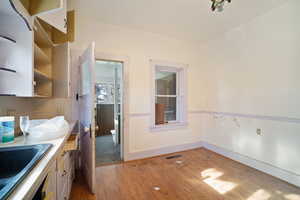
{"x":108,"y":111}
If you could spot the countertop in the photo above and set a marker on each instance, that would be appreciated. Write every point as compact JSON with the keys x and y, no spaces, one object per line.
{"x":26,"y":189}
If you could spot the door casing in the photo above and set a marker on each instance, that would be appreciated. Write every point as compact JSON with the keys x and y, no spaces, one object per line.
{"x":125,"y":98}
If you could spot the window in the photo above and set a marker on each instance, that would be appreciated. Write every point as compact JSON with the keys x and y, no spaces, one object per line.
{"x":168,"y":99}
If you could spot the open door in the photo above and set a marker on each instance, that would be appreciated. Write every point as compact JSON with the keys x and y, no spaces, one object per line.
{"x":87,"y":121}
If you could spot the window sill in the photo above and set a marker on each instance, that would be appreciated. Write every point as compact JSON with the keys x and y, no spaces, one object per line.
{"x":166,"y":127}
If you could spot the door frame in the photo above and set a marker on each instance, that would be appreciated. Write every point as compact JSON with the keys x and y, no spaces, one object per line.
{"x":125,"y":98}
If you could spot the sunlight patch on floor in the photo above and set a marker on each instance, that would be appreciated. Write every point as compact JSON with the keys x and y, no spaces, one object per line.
{"x":212,"y":179}
{"x":260,"y":195}
{"x":292,"y":197}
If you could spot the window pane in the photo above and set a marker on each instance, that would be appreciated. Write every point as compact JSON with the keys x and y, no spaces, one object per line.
{"x":165,"y":83}
{"x":165,"y":109}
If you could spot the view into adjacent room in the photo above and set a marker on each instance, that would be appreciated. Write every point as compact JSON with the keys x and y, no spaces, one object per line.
{"x":108,"y":111}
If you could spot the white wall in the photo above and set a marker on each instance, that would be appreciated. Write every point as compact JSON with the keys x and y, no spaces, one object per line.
{"x":140,"y":47}
{"x":254,"y":69}
{"x":250,"y":73}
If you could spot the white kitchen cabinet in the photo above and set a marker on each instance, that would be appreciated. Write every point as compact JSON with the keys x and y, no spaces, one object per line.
{"x":60,"y":176}
{"x":15,"y":51}
{"x":49,"y":188}
{"x":31,"y":63}
{"x":65,"y":169}
{"x":54,"y":12}
{"x":56,"y":18}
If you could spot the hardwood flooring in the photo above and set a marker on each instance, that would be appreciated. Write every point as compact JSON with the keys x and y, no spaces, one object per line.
{"x":197,"y":175}
{"x":80,"y":190}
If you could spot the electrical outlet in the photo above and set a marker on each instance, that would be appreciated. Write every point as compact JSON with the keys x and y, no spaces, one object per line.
{"x":258,"y":131}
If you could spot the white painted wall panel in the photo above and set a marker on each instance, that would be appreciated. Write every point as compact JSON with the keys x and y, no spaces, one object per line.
{"x":139,"y":47}
{"x":254,"y":69}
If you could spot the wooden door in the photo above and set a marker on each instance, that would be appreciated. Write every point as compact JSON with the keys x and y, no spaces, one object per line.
{"x":87,"y":120}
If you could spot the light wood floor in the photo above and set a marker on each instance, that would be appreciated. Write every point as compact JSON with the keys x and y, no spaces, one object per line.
{"x":202,"y":175}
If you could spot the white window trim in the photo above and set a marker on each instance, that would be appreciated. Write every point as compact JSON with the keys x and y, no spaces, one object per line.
{"x":181,"y":70}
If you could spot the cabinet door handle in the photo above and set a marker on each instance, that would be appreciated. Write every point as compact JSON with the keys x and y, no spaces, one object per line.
{"x":66,"y":23}
{"x":64,"y":173}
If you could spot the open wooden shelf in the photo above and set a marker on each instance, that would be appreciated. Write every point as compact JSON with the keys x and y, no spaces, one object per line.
{"x":41,"y":76}
{"x":40,"y":96}
{"x":43,"y":88}
{"x":41,"y":37}
{"x":40,"y":58}
{"x":43,"y":46}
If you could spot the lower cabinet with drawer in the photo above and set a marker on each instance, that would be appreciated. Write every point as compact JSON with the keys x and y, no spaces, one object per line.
{"x":47,"y":189}
{"x":65,"y":176}
{"x":57,"y":183}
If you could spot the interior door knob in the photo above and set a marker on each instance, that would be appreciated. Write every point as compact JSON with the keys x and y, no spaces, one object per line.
{"x":86,"y":129}
{"x":97,"y":128}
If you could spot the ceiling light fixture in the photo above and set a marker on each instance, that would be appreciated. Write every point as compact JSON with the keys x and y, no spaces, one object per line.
{"x":218,"y":5}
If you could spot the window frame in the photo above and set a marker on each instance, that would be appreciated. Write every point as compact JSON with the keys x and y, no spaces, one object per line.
{"x":181,"y":93}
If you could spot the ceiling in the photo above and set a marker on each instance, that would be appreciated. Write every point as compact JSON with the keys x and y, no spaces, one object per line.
{"x":181,"y":19}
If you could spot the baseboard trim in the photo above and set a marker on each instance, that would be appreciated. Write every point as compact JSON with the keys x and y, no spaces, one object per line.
{"x":256,"y":164}
{"x":162,"y":151}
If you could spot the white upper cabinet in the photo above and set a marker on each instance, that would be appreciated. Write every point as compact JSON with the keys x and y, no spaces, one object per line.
{"x":15,"y":63}
{"x":34,"y":54}
{"x":57,"y":17}
{"x":53,"y":12}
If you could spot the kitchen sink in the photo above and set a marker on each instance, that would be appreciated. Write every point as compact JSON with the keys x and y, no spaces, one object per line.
{"x":16,"y":163}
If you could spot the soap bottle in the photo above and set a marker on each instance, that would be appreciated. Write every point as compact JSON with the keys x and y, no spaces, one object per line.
{"x":1,"y":132}
{"x":7,"y":129}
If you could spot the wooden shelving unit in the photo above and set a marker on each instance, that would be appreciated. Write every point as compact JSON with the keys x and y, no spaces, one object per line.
{"x":40,"y":57}
{"x":42,"y":37}
{"x":43,"y":46}
{"x":40,"y":96}
{"x":41,"y":76}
